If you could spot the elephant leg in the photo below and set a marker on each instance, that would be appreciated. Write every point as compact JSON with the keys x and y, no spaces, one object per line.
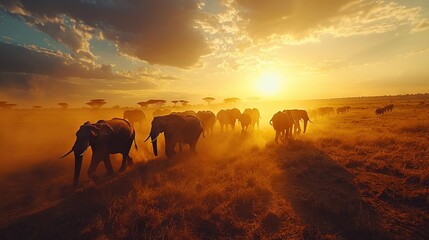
{"x":93,"y":166}
{"x":169,"y":147}
{"x":108,"y":164}
{"x":276,"y":139}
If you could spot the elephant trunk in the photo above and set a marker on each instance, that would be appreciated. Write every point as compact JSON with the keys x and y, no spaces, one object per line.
{"x":77,"y":166}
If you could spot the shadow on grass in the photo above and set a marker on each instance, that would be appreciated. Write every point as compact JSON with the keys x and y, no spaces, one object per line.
{"x":68,"y":218}
{"x":323,"y":195}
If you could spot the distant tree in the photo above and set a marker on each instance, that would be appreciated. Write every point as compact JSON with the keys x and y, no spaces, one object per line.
{"x":209,"y":99}
{"x":143,"y":104}
{"x":37,"y":107}
{"x":156,"y":102}
{"x":233,"y":100}
{"x":6,"y":105}
{"x":63,"y":105}
{"x":175,"y":102}
{"x":96,"y":103}
{"x":184,"y":102}
{"x":3,"y":104}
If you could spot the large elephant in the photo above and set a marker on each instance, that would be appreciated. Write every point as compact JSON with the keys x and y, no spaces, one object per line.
{"x":254,"y":115}
{"x":282,"y":123}
{"x":176,"y":129}
{"x":228,"y":117}
{"x":298,"y":115}
{"x":134,"y":116}
{"x":245,"y":120}
{"x":207,"y":119}
{"x":105,"y":138}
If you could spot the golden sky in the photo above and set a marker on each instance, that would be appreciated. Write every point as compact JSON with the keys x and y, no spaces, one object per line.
{"x":134,"y":50}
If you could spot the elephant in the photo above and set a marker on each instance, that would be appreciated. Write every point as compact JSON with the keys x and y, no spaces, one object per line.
{"x":379,"y":111}
{"x":161,"y":112}
{"x":325,"y":111}
{"x":135,"y":115}
{"x":176,"y":129}
{"x":282,"y":123}
{"x":297,"y":116}
{"x":105,"y":137}
{"x":254,"y":115}
{"x":389,"y":107}
{"x":207,"y":119}
{"x":228,"y":117}
{"x":341,"y":110}
{"x":245,"y":121}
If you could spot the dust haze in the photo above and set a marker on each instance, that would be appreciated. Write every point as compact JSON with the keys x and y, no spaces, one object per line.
{"x":345,"y":168}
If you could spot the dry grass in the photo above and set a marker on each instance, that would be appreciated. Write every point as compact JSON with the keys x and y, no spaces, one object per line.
{"x":352,"y":176}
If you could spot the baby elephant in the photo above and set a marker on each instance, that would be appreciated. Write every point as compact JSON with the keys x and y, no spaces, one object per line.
{"x":105,"y":138}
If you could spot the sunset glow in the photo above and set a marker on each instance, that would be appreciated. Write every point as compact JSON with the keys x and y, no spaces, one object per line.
{"x":269,"y":83}
{"x":193,"y":49}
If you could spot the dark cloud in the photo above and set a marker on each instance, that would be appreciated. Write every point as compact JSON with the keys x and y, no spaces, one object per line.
{"x":157,"y":31}
{"x":32,"y":60}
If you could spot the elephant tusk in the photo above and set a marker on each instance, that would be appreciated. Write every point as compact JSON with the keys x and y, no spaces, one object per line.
{"x":83,"y":152}
{"x":147,"y":138}
{"x":155,"y":139}
{"x":67,"y":153}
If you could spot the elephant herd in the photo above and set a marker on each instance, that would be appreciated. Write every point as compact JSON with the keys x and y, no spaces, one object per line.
{"x":117,"y":135}
{"x":287,"y":122}
{"x":387,"y":108}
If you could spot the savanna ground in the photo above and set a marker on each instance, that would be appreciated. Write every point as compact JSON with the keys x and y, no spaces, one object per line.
{"x":351,"y":176}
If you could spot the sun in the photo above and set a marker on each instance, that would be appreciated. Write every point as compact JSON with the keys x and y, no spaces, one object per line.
{"x":269,"y":83}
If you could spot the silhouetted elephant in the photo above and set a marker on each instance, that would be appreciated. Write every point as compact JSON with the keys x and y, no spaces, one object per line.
{"x":105,"y":138}
{"x":341,"y":110}
{"x":254,"y":115}
{"x":207,"y":119}
{"x":176,"y":129}
{"x":379,"y":111}
{"x":389,"y":107}
{"x":228,"y":117}
{"x":245,"y":121}
{"x":282,"y":123}
{"x":298,"y":115}
{"x":161,"y":112}
{"x":134,"y":115}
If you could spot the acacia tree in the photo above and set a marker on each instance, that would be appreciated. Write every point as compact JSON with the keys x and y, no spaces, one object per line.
{"x":96,"y":103}
{"x":143,"y":104}
{"x":175,"y":102}
{"x":209,"y":99}
{"x":233,"y":100}
{"x":6,"y":105}
{"x":184,"y":102}
{"x":63,"y":105}
{"x":37,"y":107}
{"x":156,"y":102}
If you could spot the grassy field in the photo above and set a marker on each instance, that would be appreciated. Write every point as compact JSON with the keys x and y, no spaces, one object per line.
{"x":351,"y":176}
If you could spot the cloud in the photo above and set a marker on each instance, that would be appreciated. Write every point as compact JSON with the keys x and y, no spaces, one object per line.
{"x":300,"y":19}
{"x":157,"y":31}
{"x":33,"y":60}
{"x":424,"y":25}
